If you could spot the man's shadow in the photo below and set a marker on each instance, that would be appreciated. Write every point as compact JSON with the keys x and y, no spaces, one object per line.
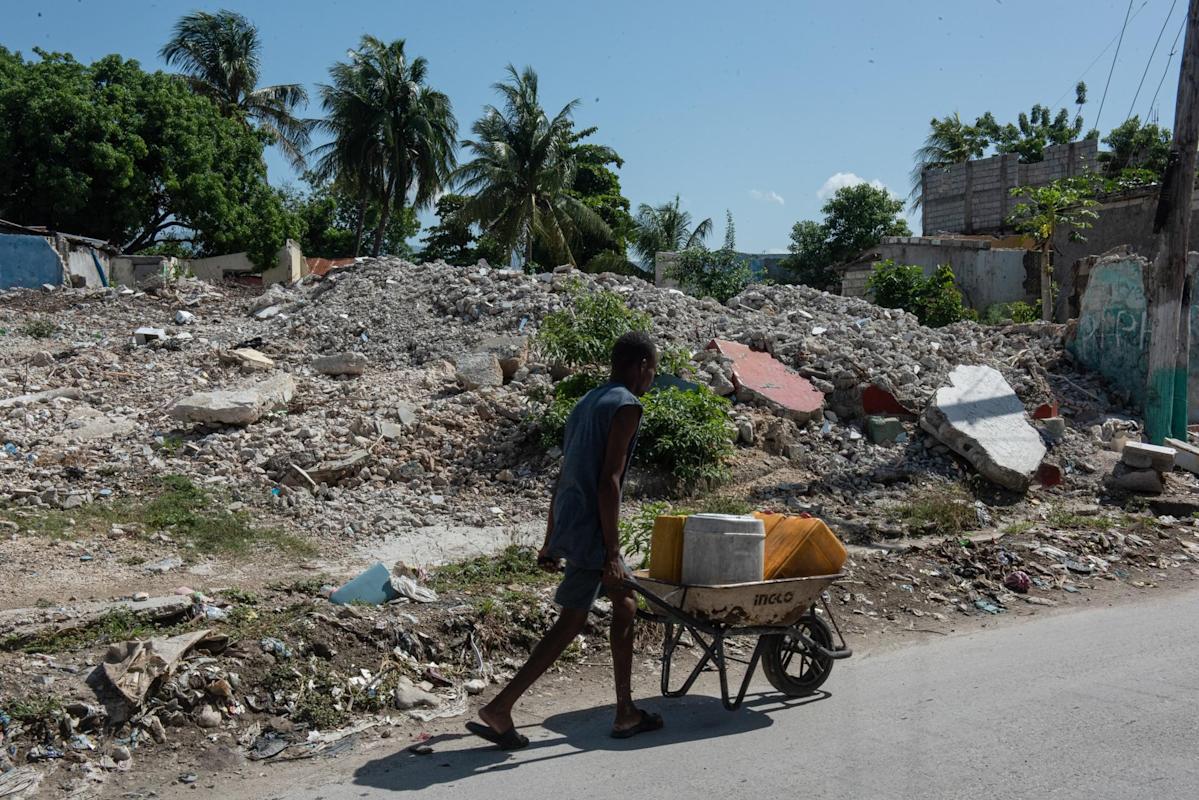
{"x":459,"y":757}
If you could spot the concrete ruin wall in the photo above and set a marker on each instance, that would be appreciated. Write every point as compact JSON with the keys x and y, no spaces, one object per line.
{"x":975,"y":197}
{"x":1112,"y":335}
{"x":28,"y":261}
{"x":986,"y":275}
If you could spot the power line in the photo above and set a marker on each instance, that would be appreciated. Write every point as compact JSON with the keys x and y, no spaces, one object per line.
{"x":1152,"y":53}
{"x":1173,"y":50}
{"x":1103,"y":99}
{"x":1135,"y":14}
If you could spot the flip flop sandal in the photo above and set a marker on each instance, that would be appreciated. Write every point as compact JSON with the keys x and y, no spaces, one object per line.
{"x":649,"y":722}
{"x":508,"y":740}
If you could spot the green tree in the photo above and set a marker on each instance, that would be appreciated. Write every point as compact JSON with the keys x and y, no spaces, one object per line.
{"x":1065,"y":203}
{"x":135,"y":158}
{"x":936,"y":299}
{"x":220,"y":54}
{"x":1136,"y":146}
{"x":393,"y":138}
{"x":597,"y":185}
{"x":949,"y":141}
{"x":666,"y":228}
{"x":720,"y":274}
{"x":522,"y":174}
{"x":1032,"y":132}
{"x":856,"y":218}
{"x":453,"y":238}
{"x":330,"y":217}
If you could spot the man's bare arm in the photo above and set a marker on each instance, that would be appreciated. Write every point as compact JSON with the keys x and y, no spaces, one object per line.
{"x":620,"y":434}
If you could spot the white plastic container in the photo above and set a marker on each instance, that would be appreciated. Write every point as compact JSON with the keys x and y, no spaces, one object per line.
{"x":723,"y":548}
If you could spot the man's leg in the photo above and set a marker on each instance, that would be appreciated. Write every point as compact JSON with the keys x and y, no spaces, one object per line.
{"x":498,"y":713}
{"x":624,"y":615}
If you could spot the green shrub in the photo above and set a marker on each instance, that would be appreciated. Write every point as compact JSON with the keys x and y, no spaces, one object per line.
{"x":583,"y":334}
{"x":40,"y":329}
{"x":1018,"y":311}
{"x":684,"y":433}
{"x":935,"y":300}
{"x":687,"y":433}
{"x":718,"y":274}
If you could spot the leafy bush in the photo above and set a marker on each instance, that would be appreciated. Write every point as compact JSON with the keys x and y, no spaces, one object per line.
{"x":718,"y":274}
{"x":935,"y":300}
{"x":40,"y":329}
{"x":1018,"y":311}
{"x":684,"y":433}
{"x":687,"y":433}
{"x":582,"y":335}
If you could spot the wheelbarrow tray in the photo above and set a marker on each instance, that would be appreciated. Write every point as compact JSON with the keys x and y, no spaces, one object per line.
{"x":777,"y":603}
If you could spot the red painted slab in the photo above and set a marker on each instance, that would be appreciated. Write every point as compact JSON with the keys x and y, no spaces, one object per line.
{"x":763,"y":375}
{"x":878,"y":401}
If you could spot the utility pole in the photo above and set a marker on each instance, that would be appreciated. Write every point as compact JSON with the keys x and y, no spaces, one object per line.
{"x":1169,"y":295}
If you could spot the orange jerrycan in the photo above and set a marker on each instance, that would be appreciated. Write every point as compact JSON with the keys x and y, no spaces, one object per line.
{"x":798,"y":547}
{"x":666,"y":548}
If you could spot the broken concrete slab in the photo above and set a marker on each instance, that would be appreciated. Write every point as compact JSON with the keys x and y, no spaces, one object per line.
{"x":236,"y":406}
{"x":980,"y":418}
{"x":68,"y":393}
{"x":330,"y":472}
{"x":477,"y":370}
{"x":268,"y":312}
{"x":1186,"y":455}
{"x":184,"y":317}
{"x":1130,"y":479}
{"x":1140,"y":455}
{"x":759,"y":377}
{"x":248,"y":359}
{"x":86,"y":424}
{"x":347,"y":363}
{"x":510,"y":351}
{"x":145,"y":335}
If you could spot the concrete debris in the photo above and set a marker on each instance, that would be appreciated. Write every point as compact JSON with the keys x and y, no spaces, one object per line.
{"x":1130,"y":479}
{"x":760,"y":378}
{"x":884,"y":430}
{"x":1139,"y":455}
{"x":184,"y":317}
{"x":478,"y":370}
{"x":511,"y":351}
{"x":1186,"y":455}
{"x":409,"y":696}
{"x":248,"y":359}
{"x":68,"y":393}
{"x":143,"y":336}
{"x":981,"y":419}
{"x":235,"y":406}
{"x":347,"y":363}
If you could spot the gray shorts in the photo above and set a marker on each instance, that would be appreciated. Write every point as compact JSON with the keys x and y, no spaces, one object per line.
{"x":580,"y":588}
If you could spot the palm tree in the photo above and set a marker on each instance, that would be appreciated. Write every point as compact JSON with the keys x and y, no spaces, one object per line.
{"x":219,"y":55}
{"x":392,"y":138}
{"x":950,"y":141}
{"x":522,"y":172}
{"x":666,"y":228}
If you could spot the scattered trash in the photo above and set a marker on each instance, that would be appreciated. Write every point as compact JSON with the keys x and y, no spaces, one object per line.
{"x":1018,"y":582}
{"x":275,"y":647}
{"x":377,"y":586}
{"x":987,"y":606}
{"x":134,"y":667}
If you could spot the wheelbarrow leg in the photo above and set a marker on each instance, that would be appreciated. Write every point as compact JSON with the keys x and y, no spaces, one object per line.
{"x":670,"y":643}
{"x":735,"y":704}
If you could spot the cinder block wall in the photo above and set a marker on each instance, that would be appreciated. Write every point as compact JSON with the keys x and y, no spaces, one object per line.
{"x":975,"y":197}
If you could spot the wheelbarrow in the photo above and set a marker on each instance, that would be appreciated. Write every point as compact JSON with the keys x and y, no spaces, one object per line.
{"x":795,"y":644}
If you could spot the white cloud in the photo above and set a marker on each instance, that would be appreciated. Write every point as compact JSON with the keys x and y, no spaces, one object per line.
{"x":840,"y":180}
{"x":768,"y":196}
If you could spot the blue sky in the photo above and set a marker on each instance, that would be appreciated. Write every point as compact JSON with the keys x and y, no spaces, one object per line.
{"x":757,"y":107}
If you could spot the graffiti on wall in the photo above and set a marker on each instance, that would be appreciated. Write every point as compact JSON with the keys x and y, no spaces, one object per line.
{"x":1112,"y":337}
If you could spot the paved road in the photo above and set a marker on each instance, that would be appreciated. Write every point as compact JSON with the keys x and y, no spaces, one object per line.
{"x":1099,"y":704}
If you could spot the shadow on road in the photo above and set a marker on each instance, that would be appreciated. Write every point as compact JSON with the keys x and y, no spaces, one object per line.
{"x":457,"y":758}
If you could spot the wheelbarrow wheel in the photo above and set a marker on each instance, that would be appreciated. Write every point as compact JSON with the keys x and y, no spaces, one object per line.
{"x":789,"y":666}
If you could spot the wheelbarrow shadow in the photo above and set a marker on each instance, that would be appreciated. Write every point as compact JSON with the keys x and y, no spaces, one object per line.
{"x":461,"y":757}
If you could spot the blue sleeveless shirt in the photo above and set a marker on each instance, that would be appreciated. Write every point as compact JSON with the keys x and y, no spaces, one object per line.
{"x":577,"y":535}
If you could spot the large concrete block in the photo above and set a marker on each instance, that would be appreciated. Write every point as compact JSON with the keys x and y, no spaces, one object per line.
{"x":980,"y":417}
{"x":1139,"y":455}
{"x":238,"y":406}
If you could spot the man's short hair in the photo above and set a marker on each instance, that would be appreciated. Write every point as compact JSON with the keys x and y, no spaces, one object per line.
{"x":633,"y":348}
